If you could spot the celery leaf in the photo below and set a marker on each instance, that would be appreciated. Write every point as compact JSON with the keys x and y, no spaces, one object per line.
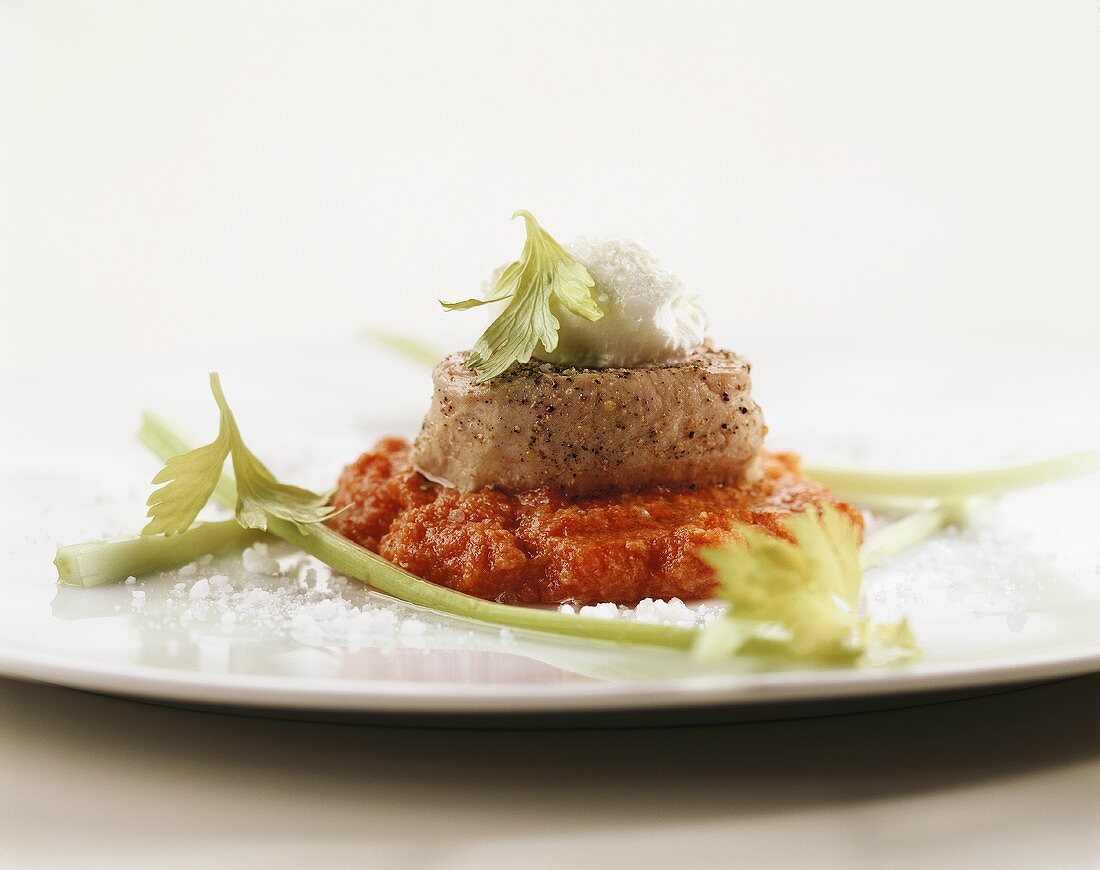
{"x":804,"y":590}
{"x":545,"y":275}
{"x":189,"y":481}
{"x":193,"y":475}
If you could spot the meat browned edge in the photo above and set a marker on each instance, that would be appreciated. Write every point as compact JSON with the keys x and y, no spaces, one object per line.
{"x":592,"y":431}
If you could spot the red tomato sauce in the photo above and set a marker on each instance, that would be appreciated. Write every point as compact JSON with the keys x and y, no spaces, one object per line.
{"x":541,"y":547}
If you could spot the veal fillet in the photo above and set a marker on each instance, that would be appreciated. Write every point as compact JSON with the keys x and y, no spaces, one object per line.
{"x":589,"y":432}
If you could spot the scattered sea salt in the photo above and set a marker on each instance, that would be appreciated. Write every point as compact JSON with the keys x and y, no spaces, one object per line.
{"x":671,"y":612}
{"x":989,"y":568}
{"x":600,"y":611}
{"x":302,"y":600}
{"x":131,"y":580}
{"x":258,"y":597}
{"x":257,"y":560}
{"x":653,"y":612}
{"x":324,"y":609}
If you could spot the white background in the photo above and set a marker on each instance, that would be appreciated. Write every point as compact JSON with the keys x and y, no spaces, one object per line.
{"x":182,"y":175}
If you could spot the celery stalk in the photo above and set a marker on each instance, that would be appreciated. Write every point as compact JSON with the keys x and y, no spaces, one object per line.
{"x":910,"y":531}
{"x":411,"y":348}
{"x":855,"y":483}
{"x":98,"y":562}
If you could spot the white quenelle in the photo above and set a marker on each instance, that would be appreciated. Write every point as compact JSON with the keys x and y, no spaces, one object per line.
{"x":649,"y":317}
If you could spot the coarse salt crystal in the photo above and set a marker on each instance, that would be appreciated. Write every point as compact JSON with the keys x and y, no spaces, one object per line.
{"x":188,"y":570}
{"x":412,"y":628}
{"x":324,"y":609}
{"x":256,"y":560}
{"x":200,"y":589}
{"x":137,"y":599}
{"x":606,"y":610}
{"x":131,"y":580}
{"x":258,"y":597}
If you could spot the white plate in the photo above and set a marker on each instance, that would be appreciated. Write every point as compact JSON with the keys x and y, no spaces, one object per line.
{"x":1014,"y":601}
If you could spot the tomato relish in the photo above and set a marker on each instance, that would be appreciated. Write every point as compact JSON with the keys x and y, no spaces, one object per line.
{"x":542,"y":547}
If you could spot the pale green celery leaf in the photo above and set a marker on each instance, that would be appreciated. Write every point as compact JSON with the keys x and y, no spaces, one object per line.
{"x":830,"y":541}
{"x":189,"y":481}
{"x":258,"y":492}
{"x":504,"y":288}
{"x":193,"y":475}
{"x":545,"y":272}
{"x":466,"y":304}
{"x":808,"y":586}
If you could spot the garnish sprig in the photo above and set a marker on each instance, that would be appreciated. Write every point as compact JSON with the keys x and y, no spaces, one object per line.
{"x":544,"y":275}
{"x":801,"y":592}
{"x":190,"y":478}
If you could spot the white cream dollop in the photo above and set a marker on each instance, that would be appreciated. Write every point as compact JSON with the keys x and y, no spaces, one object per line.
{"x":649,"y":317}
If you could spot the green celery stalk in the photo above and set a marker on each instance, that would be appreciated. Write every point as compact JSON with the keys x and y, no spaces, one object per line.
{"x":855,"y":483}
{"x":411,"y":348}
{"x":97,"y":562}
{"x":910,"y":531}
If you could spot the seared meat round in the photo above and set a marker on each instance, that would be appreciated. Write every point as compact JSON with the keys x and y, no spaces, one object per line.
{"x":592,"y":431}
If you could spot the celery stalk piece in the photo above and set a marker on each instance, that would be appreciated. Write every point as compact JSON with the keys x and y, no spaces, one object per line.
{"x":906,"y":533}
{"x":855,"y":483}
{"x":411,"y":348}
{"x":98,"y":562}
{"x":355,"y":561}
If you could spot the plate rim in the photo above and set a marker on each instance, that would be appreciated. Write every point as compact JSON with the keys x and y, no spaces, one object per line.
{"x":380,"y":696}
